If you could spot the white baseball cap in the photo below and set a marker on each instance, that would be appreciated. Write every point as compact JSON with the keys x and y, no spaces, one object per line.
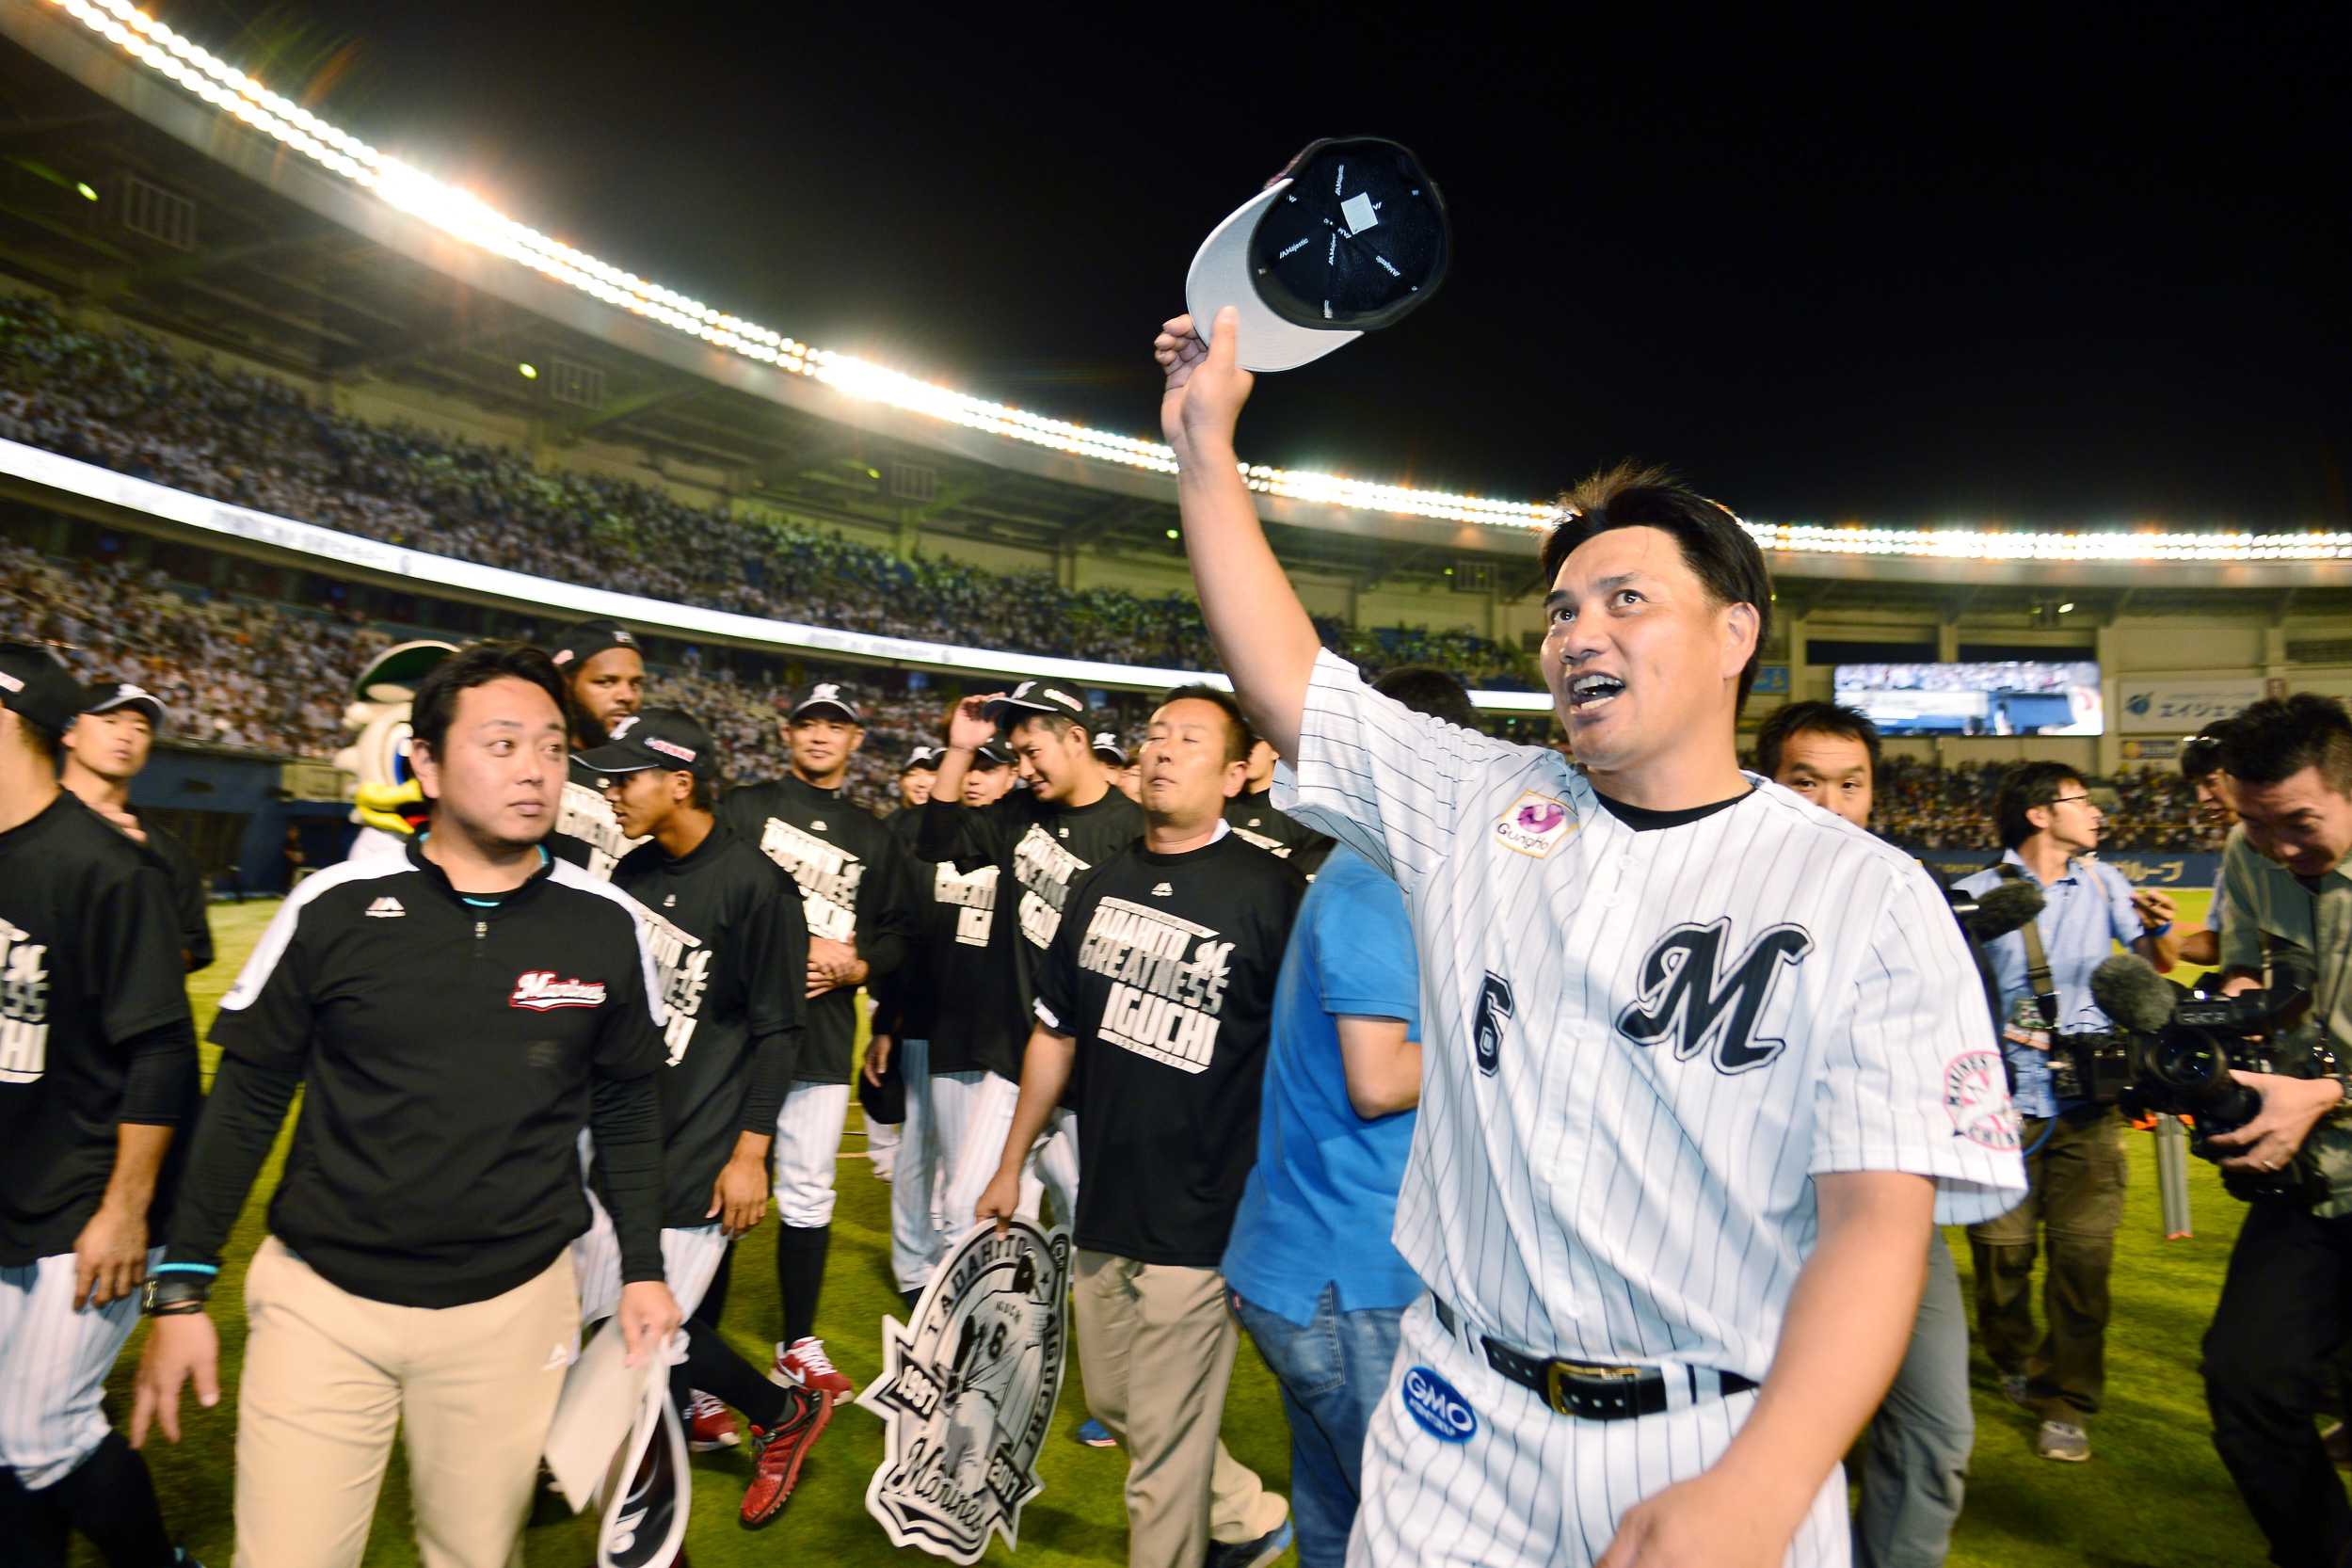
{"x":1346,"y":239}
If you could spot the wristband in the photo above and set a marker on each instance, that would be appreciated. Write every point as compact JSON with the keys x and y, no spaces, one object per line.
{"x":2156,"y":930}
{"x":176,"y":1294}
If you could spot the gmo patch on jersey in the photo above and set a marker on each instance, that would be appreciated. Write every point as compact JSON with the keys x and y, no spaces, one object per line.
{"x":1535,"y":825}
{"x":1977,"y":1097}
{"x":1437,"y":1407}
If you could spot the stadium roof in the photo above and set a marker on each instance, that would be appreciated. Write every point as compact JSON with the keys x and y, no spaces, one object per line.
{"x":143,"y":174}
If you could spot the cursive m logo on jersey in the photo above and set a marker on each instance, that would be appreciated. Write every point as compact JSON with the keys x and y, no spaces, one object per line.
{"x":538,"y":989}
{"x":1688,"y":997}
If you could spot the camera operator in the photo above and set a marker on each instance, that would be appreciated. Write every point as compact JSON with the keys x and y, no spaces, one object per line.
{"x":2074,"y":1163}
{"x":2286,"y":1305}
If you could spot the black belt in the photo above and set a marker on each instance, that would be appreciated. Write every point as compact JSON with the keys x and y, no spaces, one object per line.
{"x":1583,"y":1389}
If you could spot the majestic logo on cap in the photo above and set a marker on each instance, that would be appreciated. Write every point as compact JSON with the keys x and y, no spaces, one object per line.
{"x":968,"y":1393}
{"x":539,"y":990}
{"x":561,"y":656}
{"x":623,"y":638}
{"x":1687,"y":998}
{"x":622,"y":727}
{"x":670,"y":748}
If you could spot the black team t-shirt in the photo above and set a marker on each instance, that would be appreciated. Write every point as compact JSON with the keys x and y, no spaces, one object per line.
{"x":586,"y":832}
{"x":89,"y":972}
{"x":956,"y":988}
{"x":730,"y":953}
{"x":847,"y":864}
{"x":191,"y":890}
{"x":1165,"y":971}
{"x":1254,"y":816}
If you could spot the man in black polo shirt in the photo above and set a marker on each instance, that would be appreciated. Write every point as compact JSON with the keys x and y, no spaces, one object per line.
{"x":732,"y":949}
{"x":1044,"y":839}
{"x":847,"y":865}
{"x":1157,"y":994}
{"x":1252,"y":815}
{"x":453,"y":1021}
{"x":604,"y":683}
{"x":97,"y":1071}
{"x":104,"y":751}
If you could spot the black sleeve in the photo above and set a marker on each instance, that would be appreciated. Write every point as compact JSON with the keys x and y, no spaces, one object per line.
{"x":155,"y":1086}
{"x":1056,"y":987}
{"x":135,"y":938}
{"x":884,"y":929}
{"x":625,"y":1114}
{"x":240,"y":1122}
{"x":774,"y":933}
{"x":191,"y":896}
{"x":954,"y":831}
{"x":773,"y":1059}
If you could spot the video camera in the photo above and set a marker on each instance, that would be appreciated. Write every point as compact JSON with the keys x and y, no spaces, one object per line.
{"x":2182,"y":1048}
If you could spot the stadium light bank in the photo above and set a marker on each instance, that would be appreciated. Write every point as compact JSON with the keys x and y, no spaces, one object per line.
{"x":465,"y":218}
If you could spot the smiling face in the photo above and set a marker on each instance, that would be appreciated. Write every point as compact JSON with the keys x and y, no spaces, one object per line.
{"x":1056,"y":759}
{"x":607,"y":688}
{"x":1830,"y":771}
{"x":1188,"y":766}
{"x":500,"y":771}
{"x":1641,"y":659}
{"x":983,"y":785}
{"x":113,"y":744}
{"x":822,"y":744}
{"x":914,"y":785}
{"x":2213,"y":800}
{"x":2301,"y":821}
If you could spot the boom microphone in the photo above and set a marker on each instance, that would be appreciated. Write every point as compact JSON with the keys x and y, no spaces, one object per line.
{"x":2134,"y":996}
{"x":2004,"y":909}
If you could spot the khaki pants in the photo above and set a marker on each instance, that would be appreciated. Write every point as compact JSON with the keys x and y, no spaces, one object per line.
{"x":328,"y":1377}
{"x":1154,"y":1345}
{"x":2075,"y":1195}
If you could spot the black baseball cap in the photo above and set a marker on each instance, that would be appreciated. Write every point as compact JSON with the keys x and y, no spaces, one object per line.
{"x":579,"y":644}
{"x":921,"y":757}
{"x":1033,"y":697}
{"x":824,"y":694}
{"x":986,"y":756}
{"x":1346,"y":239}
{"x":105,"y":696}
{"x":394,"y":675}
{"x":38,"y":688}
{"x":1107,"y":746}
{"x":655,"y":738}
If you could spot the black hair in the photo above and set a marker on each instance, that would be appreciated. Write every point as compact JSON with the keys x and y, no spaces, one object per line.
{"x":1427,"y":689}
{"x":46,"y":743}
{"x":1813,"y":718}
{"x":2022,"y":787}
{"x":2207,"y":752}
{"x":1716,"y":544}
{"x":1055,"y":722}
{"x":477,"y":664}
{"x":1240,"y":737}
{"x":2279,"y":737}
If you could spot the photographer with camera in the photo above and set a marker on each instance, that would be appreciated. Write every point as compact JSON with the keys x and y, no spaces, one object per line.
{"x":2286,"y":1305}
{"x":2074,"y":1163}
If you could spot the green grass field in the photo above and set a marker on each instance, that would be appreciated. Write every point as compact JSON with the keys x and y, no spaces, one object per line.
{"x":2153,"y":1494}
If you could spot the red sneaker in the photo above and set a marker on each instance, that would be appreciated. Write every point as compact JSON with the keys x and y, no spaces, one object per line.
{"x":709,"y":1425}
{"x":775,"y":1455}
{"x":803,"y":1365}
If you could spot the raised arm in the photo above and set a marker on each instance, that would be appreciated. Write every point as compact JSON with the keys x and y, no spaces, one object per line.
{"x":1262,"y":632}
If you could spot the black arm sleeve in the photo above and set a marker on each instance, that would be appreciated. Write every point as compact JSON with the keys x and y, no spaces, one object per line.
{"x":884,"y":927}
{"x":773,"y":1059}
{"x":954,"y":831}
{"x":241,"y":1119}
{"x":155,"y":1084}
{"x":625,"y":1114}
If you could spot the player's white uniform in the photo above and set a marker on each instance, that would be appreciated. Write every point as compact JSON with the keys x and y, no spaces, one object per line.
{"x":1641,"y":1046}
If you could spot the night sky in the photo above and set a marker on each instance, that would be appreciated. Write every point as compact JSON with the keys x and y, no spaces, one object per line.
{"x":1830,"y":267}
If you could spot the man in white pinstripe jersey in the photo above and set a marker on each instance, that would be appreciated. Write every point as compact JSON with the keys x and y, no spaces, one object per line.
{"x":1701,"y":1062}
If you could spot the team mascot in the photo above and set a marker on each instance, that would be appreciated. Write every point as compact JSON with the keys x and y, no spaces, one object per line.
{"x":390,"y":807}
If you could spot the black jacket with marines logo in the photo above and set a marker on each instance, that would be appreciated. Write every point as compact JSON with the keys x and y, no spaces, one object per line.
{"x":450,"y":1048}
{"x":847,"y":863}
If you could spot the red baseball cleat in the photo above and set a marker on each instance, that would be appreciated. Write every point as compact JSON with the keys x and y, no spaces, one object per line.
{"x":805,"y":1364}
{"x":775,"y":1455}
{"x":709,"y":1425}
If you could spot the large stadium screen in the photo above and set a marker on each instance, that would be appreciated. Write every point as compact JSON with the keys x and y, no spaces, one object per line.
{"x":1976,"y":699}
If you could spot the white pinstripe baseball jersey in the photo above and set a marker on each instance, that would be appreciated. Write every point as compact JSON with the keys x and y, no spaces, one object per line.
{"x":1643,"y":1043}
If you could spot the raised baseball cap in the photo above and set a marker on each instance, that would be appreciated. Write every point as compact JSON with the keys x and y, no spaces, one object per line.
{"x":1107,"y":746}
{"x":655,"y":738}
{"x":832,"y":694}
{"x":38,"y":688}
{"x":921,"y":757}
{"x":579,"y":644}
{"x":106,"y":697}
{"x":1346,"y":239}
{"x":1033,"y":697}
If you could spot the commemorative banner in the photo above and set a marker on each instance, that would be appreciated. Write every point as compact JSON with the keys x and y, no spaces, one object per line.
{"x":967,"y":1393}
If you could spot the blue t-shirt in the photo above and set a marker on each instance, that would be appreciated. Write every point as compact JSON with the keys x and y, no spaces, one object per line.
{"x":2087,"y":911}
{"x":1322,"y":1204}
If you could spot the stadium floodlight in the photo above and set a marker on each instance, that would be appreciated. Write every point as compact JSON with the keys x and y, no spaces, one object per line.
{"x":174,"y":57}
{"x":88,"y":193}
{"x":528,"y":371}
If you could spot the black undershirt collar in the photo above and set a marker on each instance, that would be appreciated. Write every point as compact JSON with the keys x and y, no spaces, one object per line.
{"x":1643,"y":820}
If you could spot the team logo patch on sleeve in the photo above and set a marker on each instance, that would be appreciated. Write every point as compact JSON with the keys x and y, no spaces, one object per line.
{"x":1535,"y":825}
{"x":1436,"y":1406}
{"x":1977,"y":1097}
{"x":538,"y":989}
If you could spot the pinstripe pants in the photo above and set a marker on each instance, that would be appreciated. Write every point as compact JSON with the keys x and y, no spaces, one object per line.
{"x":53,"y":1368}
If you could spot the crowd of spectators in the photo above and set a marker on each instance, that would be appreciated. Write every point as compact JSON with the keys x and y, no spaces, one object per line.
{"x":1922,"y":806}
{"x":121,"y":400}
